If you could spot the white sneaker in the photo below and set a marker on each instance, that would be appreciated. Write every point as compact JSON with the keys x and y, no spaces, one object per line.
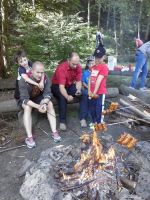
{"x":56,"y":137}
{"x":30,"y":142}
{"x":63,"y":127}
{"x":83,"y":123}
{"x":131,"y":87}
{"x":91,"y":126}
{"x":144,"y":89}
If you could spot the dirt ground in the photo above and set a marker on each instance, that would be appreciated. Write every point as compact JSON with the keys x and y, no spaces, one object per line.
{"x":11,"y":161}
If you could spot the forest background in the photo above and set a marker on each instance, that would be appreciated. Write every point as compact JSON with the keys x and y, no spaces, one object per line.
{"x":49,"y":29}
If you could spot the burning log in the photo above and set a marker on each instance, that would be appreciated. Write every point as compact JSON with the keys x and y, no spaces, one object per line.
{"x":78,"y":185}
{"x":127,"y":183}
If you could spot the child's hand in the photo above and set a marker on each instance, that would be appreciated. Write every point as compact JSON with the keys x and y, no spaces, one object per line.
{"x":41,"y":86}
{"x":93,"y":96}
{"x":43,"y":108}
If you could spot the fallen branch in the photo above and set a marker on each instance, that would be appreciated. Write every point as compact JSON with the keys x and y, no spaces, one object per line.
{"x":143,"y":95}
{"x":12,"y":148}
{"x":132,"y":117}
{"x":138,"y":111}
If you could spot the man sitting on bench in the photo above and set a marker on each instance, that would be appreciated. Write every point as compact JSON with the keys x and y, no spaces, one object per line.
{"x":32,"y":97}
{"x":66,"y":83}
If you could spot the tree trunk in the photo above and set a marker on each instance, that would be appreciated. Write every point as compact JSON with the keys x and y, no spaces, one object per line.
{"x":4,"y":38}
{"x":99,"y":16}
{"x":108,"y":17}
{"x":121,"y":33}
{"x":139,"y":18}
{"x":143,"y":95}
{"x":33,"y":4}
{"x":115,"y":31}
{"x":88,"y":19}
{"x":147,"y":29}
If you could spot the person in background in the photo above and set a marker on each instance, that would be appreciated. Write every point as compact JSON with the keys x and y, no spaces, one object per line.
{"x":24,"y":67}
{"x":97,"y":85}
{"x":66,"y":84}
{"x":138,"y":42}
{"x":84,"y":102}
{"x":31,"y":97}
{"x":141,"y":65}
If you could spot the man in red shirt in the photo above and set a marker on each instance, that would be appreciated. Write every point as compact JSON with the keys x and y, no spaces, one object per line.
{"x":66,"y":83}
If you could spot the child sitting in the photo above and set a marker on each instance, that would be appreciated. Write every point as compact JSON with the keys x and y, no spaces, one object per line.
{"x":24,"y":68}
{"x":84,"y":107}
{"x":97,"y":85}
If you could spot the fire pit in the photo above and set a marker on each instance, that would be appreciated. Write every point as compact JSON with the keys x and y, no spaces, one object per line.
{"x":94,"y":170}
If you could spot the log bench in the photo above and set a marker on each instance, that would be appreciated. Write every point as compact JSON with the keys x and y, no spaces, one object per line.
{"x":11,"y":105}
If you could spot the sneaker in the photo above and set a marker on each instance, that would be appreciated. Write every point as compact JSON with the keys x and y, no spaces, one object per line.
{"x":63,"y":127}
{"x":83,"y":123}
{"x":131,"y":87}
{"x":56,"y":137}
{"x":30,"y":142}
{"x":144,"y":89}
{"x":91,"y":126}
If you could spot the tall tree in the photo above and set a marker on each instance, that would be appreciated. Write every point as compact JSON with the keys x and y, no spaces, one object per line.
{"x":99,"y":15}
{"x":139,"y":17}
{"x":4,"y":38}
{"x":88,"y":18}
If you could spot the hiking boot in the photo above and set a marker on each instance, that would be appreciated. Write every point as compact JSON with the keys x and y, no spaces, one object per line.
{"x":63,"y":127}
{"x":83,"y":123}
{"x":56,"y":137}
{"x":30,"y":142}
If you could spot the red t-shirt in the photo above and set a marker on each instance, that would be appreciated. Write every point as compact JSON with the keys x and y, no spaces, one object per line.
{"x":101,"y":69}
{"x":65,"y":75}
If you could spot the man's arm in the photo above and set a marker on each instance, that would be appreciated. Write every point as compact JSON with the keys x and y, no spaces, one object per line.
{"x":46,"y":91}
{"x":64,"y":93}
{"x":24,"y":94}
{"x":78,"y":79}
{"x":78,"y":86}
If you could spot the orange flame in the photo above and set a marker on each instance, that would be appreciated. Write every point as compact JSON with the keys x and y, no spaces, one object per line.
{"x":93,"y":156}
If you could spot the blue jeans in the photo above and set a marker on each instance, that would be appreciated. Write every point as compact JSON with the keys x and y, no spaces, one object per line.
{"x":95,"y":107}
{"x":84,"y":105}
{"x":62,"y":102}
{"x":140,"y":67}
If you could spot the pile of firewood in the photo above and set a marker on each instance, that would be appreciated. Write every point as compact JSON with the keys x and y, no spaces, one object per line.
{"x":134,"y":108}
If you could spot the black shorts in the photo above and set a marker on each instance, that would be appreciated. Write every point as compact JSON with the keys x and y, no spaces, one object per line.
{"x":36,"y":100}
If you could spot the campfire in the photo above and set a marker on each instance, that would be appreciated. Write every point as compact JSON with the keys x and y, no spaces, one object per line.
{"x":95,"y":169}
{"x":98,"y":172}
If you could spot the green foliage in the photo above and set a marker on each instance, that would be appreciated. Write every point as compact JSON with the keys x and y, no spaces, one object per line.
{"x":49,"y":30}
{"x":50,"y":37}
